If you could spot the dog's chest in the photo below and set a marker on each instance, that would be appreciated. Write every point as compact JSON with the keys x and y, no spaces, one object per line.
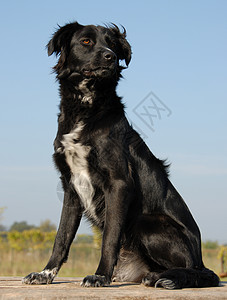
{"x":76,"y":157}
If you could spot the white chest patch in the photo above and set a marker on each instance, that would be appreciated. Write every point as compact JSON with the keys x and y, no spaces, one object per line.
{"x":76,"y":158}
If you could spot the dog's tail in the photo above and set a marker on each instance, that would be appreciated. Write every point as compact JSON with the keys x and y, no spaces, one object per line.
{"x":187,"y":278}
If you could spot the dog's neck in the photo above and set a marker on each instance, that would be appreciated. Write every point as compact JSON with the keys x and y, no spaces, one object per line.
{"x":88,"y":101}
{"x":88,"y":91}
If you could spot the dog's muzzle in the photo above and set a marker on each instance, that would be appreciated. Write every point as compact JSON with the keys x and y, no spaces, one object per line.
{"x":106,"y":68}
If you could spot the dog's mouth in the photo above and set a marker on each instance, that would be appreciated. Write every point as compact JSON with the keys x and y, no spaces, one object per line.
{"x":98,"y":72}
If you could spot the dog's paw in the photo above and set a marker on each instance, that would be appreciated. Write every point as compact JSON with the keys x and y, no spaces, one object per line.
{"x":166,"y":284}
{"x":95,"y":281}
{"x":44,"y":277}
{"x":36,"y":278}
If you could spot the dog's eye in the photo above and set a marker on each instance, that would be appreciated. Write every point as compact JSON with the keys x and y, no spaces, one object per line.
{"x":86,"y":42}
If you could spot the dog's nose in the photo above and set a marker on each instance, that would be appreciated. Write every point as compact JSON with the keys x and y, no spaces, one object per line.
{"x":109,"y":55}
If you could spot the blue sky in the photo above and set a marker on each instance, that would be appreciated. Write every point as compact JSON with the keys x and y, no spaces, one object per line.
{"x":179,"y":65}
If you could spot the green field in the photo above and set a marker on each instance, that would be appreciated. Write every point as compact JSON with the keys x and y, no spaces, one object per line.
{"x":29,"y":251}
{"x":83,"y":260}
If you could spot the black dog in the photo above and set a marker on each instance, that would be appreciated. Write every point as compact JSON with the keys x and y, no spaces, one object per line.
{"x":110,"y":175}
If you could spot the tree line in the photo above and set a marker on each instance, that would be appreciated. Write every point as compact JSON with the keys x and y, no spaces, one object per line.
{"x":45,"y":226}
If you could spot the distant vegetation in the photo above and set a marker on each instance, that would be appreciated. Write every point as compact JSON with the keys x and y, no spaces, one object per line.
{"x":210,"y":245}
{"x":44,"y":226}
{"x":26,"y":248}
{"x":29,"y":250}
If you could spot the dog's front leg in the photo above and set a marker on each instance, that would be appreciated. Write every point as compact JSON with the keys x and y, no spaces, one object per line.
{"x":70,"y":220}
{"x":116,"y":210}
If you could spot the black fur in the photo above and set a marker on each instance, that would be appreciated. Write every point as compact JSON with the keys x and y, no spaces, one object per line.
{"x":109,"y":174}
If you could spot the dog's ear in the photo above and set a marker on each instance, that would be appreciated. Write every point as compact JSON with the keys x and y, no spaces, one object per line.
{"x":62,"y":37}
{"x":60,"y":44}
{"x":124,"y":48}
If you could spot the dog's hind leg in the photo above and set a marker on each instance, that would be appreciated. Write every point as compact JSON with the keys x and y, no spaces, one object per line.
{"x":70,"y":220}
{"x":166,"y":244}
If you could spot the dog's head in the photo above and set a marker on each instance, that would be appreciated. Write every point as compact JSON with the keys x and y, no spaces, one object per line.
{"x":89,"y":51}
